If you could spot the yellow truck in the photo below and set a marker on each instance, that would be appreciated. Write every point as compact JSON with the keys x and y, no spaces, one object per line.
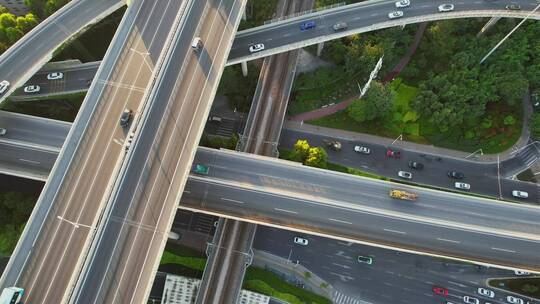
{"x":404,"y":195}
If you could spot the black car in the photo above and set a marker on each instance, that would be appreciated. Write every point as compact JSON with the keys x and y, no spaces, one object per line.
{"x":416,"y":165}
{"x":125,"y":118}
{"x":455,"y":174}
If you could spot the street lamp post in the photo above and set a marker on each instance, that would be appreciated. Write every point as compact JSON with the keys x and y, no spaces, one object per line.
{"x":510,"y":33}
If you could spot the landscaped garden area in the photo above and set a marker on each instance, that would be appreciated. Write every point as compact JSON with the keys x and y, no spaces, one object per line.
{"x":444,"y":97}
{"x":181,"y":260}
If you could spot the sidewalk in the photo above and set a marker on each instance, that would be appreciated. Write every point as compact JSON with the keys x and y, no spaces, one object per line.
{"x":295,"y":272}
{"x":394,"y":73}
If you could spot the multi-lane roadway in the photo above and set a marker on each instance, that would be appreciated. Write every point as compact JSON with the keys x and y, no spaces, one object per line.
{"x":49,"y":255}
{"x":26,"y":57}
{"x":340,"y":205}
{"x":128,"y":246}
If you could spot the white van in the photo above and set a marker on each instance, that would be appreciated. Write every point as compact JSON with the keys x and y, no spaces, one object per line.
{"x":197,"y":44}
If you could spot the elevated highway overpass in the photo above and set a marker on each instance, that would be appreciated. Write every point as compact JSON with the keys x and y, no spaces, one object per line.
{"x":278,"y":37}
{"x":322,"y":202}
{"x":33,"y":50}
{"x":49,"y":255}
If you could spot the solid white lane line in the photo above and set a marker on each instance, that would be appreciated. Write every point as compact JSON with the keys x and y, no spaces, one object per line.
{"x":502,"y":249}
{"x":67,"y":206}
{"x":287,"y":211}
{"x":339,"y":221}
{"x":232,"y":200}
{"x":447,"y":240}
{"x":184,"y":143}
{"x":29,"y":161}
{"x":395,"y":231}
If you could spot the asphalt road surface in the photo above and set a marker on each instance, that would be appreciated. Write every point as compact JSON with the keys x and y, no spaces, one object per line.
{"x":298,"y":197}
{"x":481,"y":176}
{"x":25,"y":57}
{"x":285,"y":36}
{"x":394,"y":277}
{"x":135,"y":229}
{"x":76,"y":78}
{"x":51,"y":266}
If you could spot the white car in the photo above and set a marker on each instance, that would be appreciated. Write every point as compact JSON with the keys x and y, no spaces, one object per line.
{"x":361,"y":149}
{"x":470,"y":300}
{"x":300,"y":241}
{"x":405,"y":174}
{"x":396,"y":14}
{"x":403,"y":3}
{"x":463,"y":186}
{"x":514,"y":300}
{"x":256,"y":48}
{"x":446,"y":7}
{"x":4,"y":85}
{"x":521,"y":273}
{"x":3,"y":131}
{"x":520,"y":194}
{"x":486,"y":292}
{"x":33,"y":88}
{"x":55,"y":75}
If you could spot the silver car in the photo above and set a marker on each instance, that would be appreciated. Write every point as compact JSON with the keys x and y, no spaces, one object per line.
{"x":4,"y":85}
{"x":33,"y":88}
{"x":256,"y":48}
{"x":55,"y":75}
{"x":363,"y":150}
{"x":486,"y":292}
{"x":520,"y":194}
{"x":403,"y":3}
{"x":463,"y":186}
{"x":514,"y":300}
{"x":405,"y":174}
{"x":396,"y":14}
{"x":446,"y":7}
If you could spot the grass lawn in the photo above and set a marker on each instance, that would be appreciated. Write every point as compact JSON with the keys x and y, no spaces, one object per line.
{"x":268,"y":283}
{"x":492,"y":139}
{"x":64,"y":109}
{"x":526,"y":286}
{"x":256,"y":279}
{"x":321,"y":87}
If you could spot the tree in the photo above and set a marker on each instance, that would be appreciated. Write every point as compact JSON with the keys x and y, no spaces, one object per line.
{"x":7,"y":20}
{"x":309,"y":156}
{"x":26,"y":23}
{"x":3,"y":10}
{"x":535,"y":125}
{"x":13,"y":34}
{"x":376,"y":103}
{"x":317,"y":157}
{"x":300,"y":151}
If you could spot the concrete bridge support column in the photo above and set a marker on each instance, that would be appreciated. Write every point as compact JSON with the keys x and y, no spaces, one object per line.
{"x":488,"y":25}
{"x":320,"y":47}
{"x":244,"y":68}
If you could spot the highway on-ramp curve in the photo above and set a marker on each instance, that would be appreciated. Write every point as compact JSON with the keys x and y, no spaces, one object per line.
{"x":361,"y":17}
{"x":283,"y":193}
{"x":130,"y":242}
{"x":48,"y":256}
{"x":25,"y":57}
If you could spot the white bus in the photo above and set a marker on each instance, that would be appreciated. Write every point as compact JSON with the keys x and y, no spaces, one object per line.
{"x":11,"y":295}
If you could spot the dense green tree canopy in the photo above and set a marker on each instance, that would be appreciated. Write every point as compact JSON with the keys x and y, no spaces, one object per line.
{"x":376,"y":103}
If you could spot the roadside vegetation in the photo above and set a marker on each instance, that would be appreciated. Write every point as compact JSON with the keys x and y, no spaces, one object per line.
{"x":15,"y":209}
{"x":188,"y":262}
{"x":12,"y":28}
{"x":64,"y":109}
{"x":529,"y":287}
{"x":444,"y":97}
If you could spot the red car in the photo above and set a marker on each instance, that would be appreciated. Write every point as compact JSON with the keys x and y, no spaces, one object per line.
{"x":440,"y":291}
{"x":392,"y":153}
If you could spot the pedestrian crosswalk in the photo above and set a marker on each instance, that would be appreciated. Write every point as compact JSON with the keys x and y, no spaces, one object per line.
{"x":340,"y":298}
